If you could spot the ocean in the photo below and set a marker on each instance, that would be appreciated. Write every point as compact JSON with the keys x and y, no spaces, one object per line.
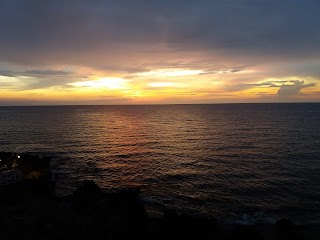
{"x":239,"y":163}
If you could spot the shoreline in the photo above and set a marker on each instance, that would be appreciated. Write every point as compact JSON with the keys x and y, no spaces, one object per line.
{"x":90,"y":212}
{"x":31,"y":209}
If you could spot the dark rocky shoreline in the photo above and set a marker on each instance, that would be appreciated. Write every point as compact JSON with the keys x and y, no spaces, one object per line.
{"x":30,"y":209}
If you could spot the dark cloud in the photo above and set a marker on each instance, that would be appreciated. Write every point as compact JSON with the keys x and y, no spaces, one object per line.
{"x":118,"y":31}
{"x":8,"y":73}
{"x":289,"y":90}
{"x":286,"y":88}
{"x":240,"y":87}
{"x":38,"y":79}
{"x":100,"y":101}
{"x":45,"y":73}
{"x":34,"y":73}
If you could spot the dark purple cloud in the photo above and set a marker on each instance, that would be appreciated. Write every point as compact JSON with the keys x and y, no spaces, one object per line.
{"x":99,"y":33}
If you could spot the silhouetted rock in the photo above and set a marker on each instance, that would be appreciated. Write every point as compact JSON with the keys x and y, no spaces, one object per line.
{"x":287,"y":230}
{"x":94,"y":213}
{"x":245,"y":233}
{"x":284,"y":224}
{"x":86,"y":194}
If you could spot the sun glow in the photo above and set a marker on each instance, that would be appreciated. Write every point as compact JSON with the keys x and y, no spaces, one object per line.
{"x":112,"y":83}
{"x":171,"y":72}
{"x":164,"y":84}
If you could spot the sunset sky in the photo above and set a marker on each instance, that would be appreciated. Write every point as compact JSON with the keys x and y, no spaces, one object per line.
{"x":154,"y":52}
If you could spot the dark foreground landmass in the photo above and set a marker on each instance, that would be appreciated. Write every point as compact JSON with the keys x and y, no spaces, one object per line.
{"x":30,"y":209}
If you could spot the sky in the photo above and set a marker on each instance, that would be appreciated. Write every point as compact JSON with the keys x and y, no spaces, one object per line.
{"x":159,"y":52}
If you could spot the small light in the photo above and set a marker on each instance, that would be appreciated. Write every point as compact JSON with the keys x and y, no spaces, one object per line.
{"x":18,"y":156}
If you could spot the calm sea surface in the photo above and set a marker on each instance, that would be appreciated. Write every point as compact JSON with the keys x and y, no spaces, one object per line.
{"x":237,"y":162}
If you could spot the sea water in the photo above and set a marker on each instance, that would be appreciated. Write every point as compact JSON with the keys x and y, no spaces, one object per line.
{"x":237,"y":162}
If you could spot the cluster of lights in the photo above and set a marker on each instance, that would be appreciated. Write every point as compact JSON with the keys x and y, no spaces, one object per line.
{"x":17,"y":157}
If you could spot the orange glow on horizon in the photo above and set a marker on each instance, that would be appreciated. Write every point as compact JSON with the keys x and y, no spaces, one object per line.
{"x":111,"y":83}
{"x":163,"y":85}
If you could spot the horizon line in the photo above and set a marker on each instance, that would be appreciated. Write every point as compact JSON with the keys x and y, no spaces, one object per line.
{"x":156,"y":104}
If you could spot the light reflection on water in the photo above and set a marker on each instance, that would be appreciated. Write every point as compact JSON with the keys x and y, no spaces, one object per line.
{"x":223,"y":160}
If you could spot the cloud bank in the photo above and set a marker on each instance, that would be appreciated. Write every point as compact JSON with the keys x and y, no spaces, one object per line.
{"x":235,"y":43}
